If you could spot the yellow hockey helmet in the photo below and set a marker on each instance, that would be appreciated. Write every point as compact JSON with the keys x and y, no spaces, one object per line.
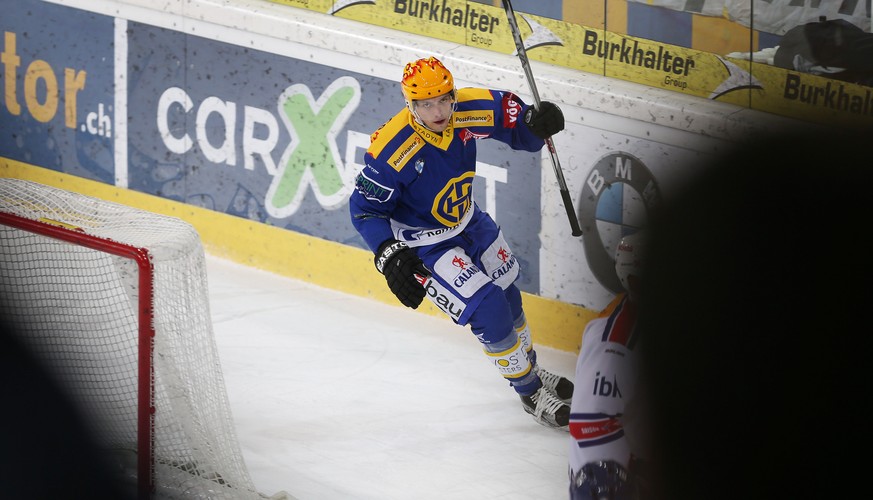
{"x":426,"y":78}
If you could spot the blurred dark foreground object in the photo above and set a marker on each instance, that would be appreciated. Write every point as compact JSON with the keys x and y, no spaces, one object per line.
{"x":47,"y":450}
{"x":756,"y":308}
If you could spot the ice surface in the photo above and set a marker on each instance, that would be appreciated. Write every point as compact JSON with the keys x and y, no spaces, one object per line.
{"x":340,"y":397}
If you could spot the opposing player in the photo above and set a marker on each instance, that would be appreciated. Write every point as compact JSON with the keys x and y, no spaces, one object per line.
{"x":606,"y":435}
{"x":414,"y":208}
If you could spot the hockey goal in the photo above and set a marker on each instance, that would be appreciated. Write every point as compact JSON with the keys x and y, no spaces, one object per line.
{"x":114,"y":301}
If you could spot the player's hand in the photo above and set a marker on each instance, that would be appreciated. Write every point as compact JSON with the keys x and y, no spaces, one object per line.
{"x":546,"y":121}
{"x":399,"y":264}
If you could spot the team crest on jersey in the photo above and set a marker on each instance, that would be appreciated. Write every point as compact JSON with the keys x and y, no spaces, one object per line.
{"x":617,"y":197}
{"x":452,"y":202}
{"x":419,"y":165}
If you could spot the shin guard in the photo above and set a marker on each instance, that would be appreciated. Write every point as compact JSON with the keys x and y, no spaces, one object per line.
{"x":515,"y":366}
{"x":522,"y":329}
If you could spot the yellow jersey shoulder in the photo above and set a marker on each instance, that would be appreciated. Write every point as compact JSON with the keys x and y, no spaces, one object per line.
{"x":396,"y":142}
{"x":474,"y":94}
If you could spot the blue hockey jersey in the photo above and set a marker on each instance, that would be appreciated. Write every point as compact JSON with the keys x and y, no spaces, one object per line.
{"x":417,"y":185}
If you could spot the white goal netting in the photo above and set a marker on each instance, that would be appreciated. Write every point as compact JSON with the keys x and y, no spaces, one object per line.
{"x":74,"y":291}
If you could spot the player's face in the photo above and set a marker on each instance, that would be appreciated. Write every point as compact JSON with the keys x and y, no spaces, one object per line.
{"x":436,"y":112}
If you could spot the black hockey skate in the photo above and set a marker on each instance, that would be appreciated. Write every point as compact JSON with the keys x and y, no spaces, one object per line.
{"x":547,"y":409}
{"x":556,"y":384}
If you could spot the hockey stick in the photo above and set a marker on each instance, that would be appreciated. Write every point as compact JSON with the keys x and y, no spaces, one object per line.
{"x":525,"y":64}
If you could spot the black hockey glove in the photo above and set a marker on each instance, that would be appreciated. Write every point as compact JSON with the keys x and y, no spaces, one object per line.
{"x":399,"y":264}
{"x":546,"y":121}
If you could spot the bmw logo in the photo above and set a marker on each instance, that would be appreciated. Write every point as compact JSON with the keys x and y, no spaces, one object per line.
{"x":617,"y":197}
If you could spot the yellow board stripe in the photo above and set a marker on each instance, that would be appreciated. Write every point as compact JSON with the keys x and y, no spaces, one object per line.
{"x":298,"y":256}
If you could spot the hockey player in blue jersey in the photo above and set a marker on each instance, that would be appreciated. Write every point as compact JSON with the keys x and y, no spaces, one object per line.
{"x":413,"y":206}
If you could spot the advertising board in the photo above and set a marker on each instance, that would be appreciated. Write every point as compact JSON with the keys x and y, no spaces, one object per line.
{"x":58,"y":106}
{"x":193,"y":107}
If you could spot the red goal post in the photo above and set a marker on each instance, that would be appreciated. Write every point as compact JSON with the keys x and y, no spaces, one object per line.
{"x":114,"y":302}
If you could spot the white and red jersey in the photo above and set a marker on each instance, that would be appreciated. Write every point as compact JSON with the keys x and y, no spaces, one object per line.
{"x":605,"y":386}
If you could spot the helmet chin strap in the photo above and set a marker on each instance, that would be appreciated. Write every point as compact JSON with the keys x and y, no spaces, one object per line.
{"x":418,"y":119}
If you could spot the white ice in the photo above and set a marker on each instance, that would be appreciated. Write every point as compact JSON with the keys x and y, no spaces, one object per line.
{"x":335,"y":396}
